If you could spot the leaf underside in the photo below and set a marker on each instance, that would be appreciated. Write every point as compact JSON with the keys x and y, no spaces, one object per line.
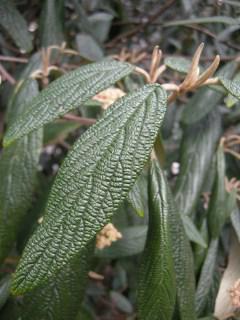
{"x":65,"y":94}
{"x":95,"y":178}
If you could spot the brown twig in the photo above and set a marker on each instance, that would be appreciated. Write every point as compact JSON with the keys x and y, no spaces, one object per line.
{"x":140,"y":27}
{"x":212,"y":35}
{"x":6,"y":75}
{"x":13,"y":59}
{"x":82,"y":120}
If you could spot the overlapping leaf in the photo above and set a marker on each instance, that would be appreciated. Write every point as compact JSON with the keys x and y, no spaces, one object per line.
{"x":18,"y":170}
{"x":14,"y":23}
{"x":52,"y":23}
{"x":206,"y":281}
{"x":67,"y":93}
{"x":222,"y":203}
{"x":157,"y":288}
{"x":198,"y":146}
{"x":94,"y":179}
{"x":183,"y":264}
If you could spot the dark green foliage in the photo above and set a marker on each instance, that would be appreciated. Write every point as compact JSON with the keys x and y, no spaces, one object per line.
{"x":18,"y":171}
{"x":52,"y":17}
{"x":120,"y":142}
{"x":124,"y":213}
{"x":14,"y":23}
{"x":157,"y":288}
{"x":61,"y":297}
{"x":203,"y":137}
{"x":65,"y":94}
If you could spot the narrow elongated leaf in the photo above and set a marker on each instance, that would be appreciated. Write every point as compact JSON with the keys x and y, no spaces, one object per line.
{"x":52,"y":23}
{"x":138,"y":196}
{"x":232,"y":86}
{"x":183,"y":265}
{"x":67,"y":93}
{"x":14,"y":23}
{"x":5,"y":285}
{"x":198,"y":146}
{"x":206,"y":278}
{"x":199,"y":251}
{"x":18,"y":170}
{"x":203,"y":20}
{"x":132,"y":242}
{"x":157,"y":287}
{"x":206,"y":99}
{"x":60,"y":298}
{"x":94,"y":179}
{"x":192,"y":232}
{"x":222,"y":203}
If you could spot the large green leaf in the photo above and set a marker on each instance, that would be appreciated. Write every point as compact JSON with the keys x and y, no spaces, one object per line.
{"x":206,"y":99}
{"x":157,"y":287}
{"x":197,"y":149}
{"x":206,"y":280}
{"x":95,"y":178}
{"x":67,"y":93}
{"x":18,"y":172}
{"x":14,"y":23}
{"x":61,"y":297}
{"x":222,"y":203}
{"x":52,"y":23}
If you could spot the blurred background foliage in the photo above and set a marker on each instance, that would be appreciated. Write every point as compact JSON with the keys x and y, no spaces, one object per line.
{"x":79,"y":32}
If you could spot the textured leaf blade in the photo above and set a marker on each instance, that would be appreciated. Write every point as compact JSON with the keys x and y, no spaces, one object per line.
{"x":18,"y":173}
{"x":232,"y":86}
{"x":61,"y":297}
{"x":183,"y":265}
{"x":157,"y":287}
{"x":206,"y":278}
{"x":202,"y":137}
{"x":14,"y":23}
{"x":67,"y":93}
{"x":94,"y":179}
